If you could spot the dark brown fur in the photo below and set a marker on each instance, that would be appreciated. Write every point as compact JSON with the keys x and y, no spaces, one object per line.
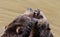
{"x":38,"y":30}
{"x":42,"y":29}
{"x":25,"y":23}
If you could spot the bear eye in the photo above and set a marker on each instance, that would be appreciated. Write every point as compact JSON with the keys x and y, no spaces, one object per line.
{"x":48,"y":29}
{"x":19,"y":30}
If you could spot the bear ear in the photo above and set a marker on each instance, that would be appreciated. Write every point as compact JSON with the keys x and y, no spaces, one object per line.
{"x":37,"y":11}
{"x":29,"y":9}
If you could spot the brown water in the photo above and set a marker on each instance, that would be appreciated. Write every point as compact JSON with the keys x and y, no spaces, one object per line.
{"x":9,"y":9}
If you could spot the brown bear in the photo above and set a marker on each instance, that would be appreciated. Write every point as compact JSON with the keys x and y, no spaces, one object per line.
{"x":20,"y":27}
